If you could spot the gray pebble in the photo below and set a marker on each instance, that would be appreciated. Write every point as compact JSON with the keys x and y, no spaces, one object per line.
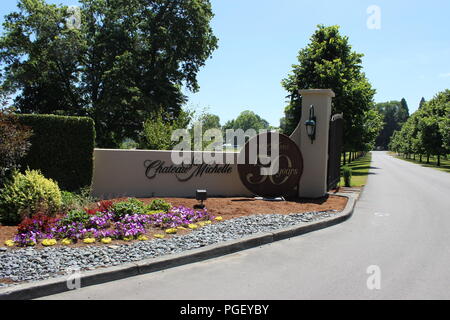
{"x":29,"y":264}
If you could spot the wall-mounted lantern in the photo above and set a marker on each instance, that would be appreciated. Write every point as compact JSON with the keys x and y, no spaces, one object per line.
{"x":311,"y":124}
{"x":201,"y":195}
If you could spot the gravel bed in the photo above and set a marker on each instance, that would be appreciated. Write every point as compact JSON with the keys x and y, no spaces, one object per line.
{"x":30,"y":264}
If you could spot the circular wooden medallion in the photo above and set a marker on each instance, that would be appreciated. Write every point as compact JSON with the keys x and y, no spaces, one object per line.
{"x":257,"y":166}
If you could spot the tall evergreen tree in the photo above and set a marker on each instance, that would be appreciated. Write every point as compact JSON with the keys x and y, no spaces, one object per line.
{"x":422,"y":103}
{"x":404,"y":111}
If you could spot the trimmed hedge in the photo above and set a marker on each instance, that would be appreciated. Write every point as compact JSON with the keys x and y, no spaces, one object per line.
{"x":62,"y":148}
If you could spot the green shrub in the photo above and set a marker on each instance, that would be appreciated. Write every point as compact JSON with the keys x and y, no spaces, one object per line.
{"x":26,"y":194}
{"x":131,"y":206}
{"x":75,"y":216}
{"x":347,"y":173}
{"x":62,"y":148}
{"x":76,"y":201}
{"x":159,"y":205}
{"x":69,"y":201}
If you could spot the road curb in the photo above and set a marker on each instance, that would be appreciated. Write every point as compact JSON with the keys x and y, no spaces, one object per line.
{"x":58,"y":285}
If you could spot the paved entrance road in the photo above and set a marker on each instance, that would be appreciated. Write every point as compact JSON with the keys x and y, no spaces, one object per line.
{"x":401,"y":224}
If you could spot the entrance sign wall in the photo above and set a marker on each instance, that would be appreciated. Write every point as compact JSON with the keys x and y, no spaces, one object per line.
{"x":141,"y":173}
{"x":302,"y":172}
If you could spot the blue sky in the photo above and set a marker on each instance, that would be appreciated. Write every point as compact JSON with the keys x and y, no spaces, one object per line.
{"x":259,"y":40}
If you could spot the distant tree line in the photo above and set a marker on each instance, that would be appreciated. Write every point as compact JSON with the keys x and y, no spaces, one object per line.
{"x":158,"y":130}
{"x":427,"y":131}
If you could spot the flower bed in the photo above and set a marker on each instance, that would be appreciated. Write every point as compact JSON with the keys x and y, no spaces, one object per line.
{"x":226,"y":219}
{"x":29,"y":264}
{"x":127,"y":221}
{"x":97,"y":212}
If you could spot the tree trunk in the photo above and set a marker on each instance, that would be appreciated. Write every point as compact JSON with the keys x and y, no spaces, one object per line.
{"x":428,"y":159}
{"x":420,"y":158}
{"x":345,"y":158}
{"x":439,"y":160}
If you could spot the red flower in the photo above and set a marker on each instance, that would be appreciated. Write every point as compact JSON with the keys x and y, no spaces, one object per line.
{"x":40,"y":222}
{"x":105,"y":205}
{"x":91,"y":212}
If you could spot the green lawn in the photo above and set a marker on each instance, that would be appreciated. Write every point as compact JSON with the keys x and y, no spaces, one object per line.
{"x":360,"y":171}
{"x":445,"y":164}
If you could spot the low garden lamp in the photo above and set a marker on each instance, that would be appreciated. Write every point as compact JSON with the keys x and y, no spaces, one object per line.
{"x":201,"y":195}
{"x":311,"y":124}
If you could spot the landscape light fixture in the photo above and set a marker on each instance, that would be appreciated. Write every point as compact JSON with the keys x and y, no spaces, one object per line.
{"x":311,"y":124}
{"x":201,"y":195}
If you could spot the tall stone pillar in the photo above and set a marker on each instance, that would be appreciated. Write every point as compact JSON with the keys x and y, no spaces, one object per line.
{"x":313,"y":183}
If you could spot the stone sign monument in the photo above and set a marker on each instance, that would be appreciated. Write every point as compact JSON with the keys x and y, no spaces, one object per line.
{"x":299,"y":169}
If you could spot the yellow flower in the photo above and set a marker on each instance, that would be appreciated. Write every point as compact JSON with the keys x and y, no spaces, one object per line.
{"x":89,"y":240}
{"x":66,"y":242}
{"x":150,"y":213}
{"x":49,"y":242}
{"x":208,"y":222}
{"x":218,"y":218}
{"x":106,"y":240}
{"x":193,"y":226}
{"x":128,"y":238}
{"x":181,"y":228}
{"x":9,"y":243}
{"x":159,"y":236}
{"x":171,"y":231}
{"x":142,"y":238}
{"x":201,"y":224}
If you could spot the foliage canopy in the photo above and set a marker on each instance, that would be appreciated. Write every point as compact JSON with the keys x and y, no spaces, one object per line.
{"x":125,"y":60}
{"x":328,"y":62}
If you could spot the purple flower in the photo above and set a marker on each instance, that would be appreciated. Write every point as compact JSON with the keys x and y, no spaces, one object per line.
{"x":28,"y":238}
{"x":106,"y":224}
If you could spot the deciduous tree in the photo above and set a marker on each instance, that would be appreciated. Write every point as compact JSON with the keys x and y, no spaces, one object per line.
{"x":395,"y":114}
{"x":247,"y":120}
{"x":427,"y":130}
{"x":126,"y":60}
{"x":329,"y":62}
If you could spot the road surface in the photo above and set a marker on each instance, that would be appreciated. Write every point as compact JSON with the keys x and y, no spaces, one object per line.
{"x":399,"y":233}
